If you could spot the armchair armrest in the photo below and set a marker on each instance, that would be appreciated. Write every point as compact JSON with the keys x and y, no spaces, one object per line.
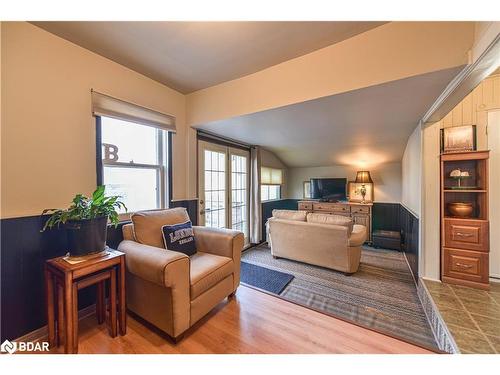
{"x":358,"y":235}
{"x":223,"y":242}
{"x":160,"y":266}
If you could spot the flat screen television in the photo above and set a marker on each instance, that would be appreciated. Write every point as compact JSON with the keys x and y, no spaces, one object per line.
{"x":329,"y":189}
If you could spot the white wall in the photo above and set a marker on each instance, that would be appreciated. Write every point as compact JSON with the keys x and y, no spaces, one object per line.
{"x":269,"y":159}
{"x":430,"y":224}
{"x":411,"y":173}
{"x":386,"y":178}
{"x":494,"y":199}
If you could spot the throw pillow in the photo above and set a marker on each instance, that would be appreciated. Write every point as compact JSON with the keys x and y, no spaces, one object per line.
{"x":331,"y":219}
{"x":179,"y":237}
{"x":290,"y":215}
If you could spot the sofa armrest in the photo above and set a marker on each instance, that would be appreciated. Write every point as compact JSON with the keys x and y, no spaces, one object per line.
{"x":223,"y":242}
{"x":160,"y":266}
{"x":358,"y":236}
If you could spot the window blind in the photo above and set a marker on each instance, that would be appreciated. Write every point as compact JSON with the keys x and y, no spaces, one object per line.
{"x":105,"y":105}
{"x":271,"y":176}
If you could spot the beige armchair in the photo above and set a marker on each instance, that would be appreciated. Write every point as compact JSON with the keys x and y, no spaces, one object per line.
{"x":169,"y":289}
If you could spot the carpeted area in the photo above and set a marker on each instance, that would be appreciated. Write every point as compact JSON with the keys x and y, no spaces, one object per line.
{"x":381,"y":295}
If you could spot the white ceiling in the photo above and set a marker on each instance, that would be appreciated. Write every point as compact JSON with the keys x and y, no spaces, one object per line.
{"x":189,"y":56}
{"x":364,"y":127}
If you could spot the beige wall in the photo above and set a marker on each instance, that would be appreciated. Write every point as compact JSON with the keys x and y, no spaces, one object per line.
{"x":269,"y":159}
{"x":392,"y":51}
{"x":48,"y":132}
{"x":411,"y":172}
{"x":386,"y":178}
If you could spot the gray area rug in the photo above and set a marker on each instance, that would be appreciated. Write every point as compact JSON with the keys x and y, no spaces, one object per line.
{"x":381,"y":295}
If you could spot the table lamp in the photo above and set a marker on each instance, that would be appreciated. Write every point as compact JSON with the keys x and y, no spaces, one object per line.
{"x":363,"y":177}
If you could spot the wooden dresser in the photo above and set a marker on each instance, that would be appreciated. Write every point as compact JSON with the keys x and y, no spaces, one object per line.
{"x":361,"y":213}
{"x":465,"y":236}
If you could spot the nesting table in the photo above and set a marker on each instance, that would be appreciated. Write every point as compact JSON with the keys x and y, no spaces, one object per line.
{"x":62,"y":282}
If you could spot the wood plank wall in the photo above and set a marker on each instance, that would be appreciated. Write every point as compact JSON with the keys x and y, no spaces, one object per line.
{"x":473,"y":109}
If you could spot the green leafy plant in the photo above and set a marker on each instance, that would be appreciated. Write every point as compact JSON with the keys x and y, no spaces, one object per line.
{"x":83,"y":207}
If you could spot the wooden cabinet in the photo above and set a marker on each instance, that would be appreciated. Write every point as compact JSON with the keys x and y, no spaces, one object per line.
{"x":361,"y":213}
{"x":465,"y":234}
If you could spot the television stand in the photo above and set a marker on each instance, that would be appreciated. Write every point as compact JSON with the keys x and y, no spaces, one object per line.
{"x":360,"y":213}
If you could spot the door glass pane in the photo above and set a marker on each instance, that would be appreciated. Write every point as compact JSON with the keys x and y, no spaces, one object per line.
{"x":128,"y":142}
{"x":239,"y":193}
{"x":215,"y":189}
{"x":136,"y":186}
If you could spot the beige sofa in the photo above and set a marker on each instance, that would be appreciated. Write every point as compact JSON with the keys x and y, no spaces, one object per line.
{"x":169,"y":289}
{"x":324,"y":240}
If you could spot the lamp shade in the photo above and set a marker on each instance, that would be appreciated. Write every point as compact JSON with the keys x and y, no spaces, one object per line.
{"x":363,"y":177}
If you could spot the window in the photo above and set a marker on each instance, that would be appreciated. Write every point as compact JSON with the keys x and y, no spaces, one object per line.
{"x":134,"y":159}
{"x":270,"y":192}
{"x":271,"y":180}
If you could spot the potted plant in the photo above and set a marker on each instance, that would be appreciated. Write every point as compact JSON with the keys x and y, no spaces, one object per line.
{"x":86,"y":220}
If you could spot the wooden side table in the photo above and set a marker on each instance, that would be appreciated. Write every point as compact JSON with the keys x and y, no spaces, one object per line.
{"x":62,"y":282}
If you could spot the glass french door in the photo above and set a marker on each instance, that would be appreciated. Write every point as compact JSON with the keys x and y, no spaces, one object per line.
{"x":223,"y":187}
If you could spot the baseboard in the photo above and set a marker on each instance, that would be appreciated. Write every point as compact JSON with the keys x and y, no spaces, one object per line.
{"x":41,"y":334}
{"x":441,"y":333}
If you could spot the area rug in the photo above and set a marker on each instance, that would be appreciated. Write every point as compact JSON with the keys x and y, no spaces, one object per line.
{"x":381,"y":295}
{"x":264,"y":278}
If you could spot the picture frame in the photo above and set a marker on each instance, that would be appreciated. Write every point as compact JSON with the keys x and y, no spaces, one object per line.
{"x":355,"y":196}
{"x":307,"y":189}
{"x":458,"y":139}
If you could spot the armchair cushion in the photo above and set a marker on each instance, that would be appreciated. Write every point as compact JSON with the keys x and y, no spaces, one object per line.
{"x":148,"y":224}
{"x":207,"y":270}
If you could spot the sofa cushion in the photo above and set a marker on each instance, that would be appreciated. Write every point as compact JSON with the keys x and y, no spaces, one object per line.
{"x":207,"y":270}
{"x":290,"y":215}
{"x":148,"y":224}
{"x":179,"y":237}
{"x":332,"y":220}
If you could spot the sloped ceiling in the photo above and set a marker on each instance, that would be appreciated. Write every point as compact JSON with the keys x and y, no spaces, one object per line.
{"x":363,"y":127}
{"x":189,"y":56}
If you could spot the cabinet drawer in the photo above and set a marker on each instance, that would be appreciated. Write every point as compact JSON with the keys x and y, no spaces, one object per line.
{"x":360,"y":209}
{"x":467,"y":235}
{"x":305,"y":206}
{"x":466,"y":265}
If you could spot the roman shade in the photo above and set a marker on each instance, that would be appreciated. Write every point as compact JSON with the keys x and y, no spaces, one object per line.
{"x":271,"y":176}
{"x":105,"y":105}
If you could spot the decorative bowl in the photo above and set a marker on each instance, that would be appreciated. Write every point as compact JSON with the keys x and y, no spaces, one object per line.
{"x":460,"y":209}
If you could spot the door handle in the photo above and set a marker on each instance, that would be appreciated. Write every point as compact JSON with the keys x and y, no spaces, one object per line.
{"x":466,"y":266}
{"x":463,"y":234}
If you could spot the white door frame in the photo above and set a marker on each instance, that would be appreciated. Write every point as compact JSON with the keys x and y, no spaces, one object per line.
{"x":228,"y":151}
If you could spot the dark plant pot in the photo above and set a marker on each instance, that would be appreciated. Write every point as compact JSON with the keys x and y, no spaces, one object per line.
{"x":87,"y":236}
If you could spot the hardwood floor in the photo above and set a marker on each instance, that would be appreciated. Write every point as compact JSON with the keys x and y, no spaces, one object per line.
{"x":253,"y":322}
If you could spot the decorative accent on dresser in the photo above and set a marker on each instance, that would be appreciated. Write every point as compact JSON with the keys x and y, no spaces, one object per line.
{"x":464,"y":219}
{"x":361,"y":213}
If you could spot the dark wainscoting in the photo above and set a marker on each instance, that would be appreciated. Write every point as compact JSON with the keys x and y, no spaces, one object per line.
{"x":191,"y":205}
{"x":410,"y":238}
{"x":269,"y":206}
{"x":24,"y":250}
{"x":386,"y":216}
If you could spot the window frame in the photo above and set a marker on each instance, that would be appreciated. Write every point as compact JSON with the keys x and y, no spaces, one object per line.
{"x":163,"y":168}
{"x":268,"y":185}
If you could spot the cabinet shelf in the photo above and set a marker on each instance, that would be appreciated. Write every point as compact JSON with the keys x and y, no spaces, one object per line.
{"x":464,"y":190}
